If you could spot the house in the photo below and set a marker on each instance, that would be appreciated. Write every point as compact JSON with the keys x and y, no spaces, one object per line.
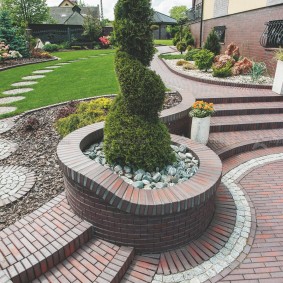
{"x":256,"y":26}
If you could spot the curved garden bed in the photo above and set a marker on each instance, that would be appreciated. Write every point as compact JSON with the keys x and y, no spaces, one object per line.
{"x":215,"y":82}
{"x":151,"y":221}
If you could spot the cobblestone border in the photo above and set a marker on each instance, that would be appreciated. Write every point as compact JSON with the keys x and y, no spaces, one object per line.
{"x":12,"y":147}
{"x":28,"y":181}
{"x":239,"y":243}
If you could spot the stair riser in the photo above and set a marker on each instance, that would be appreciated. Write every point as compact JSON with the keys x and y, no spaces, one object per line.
{"x":248,"y":112}
{"x":224,"y":100}
{"x":246,"y":127}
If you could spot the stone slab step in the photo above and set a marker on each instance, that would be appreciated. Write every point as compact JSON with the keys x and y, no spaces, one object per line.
{"x":41,"y":240}
{"x":96,"y":261}
{"x":246,"y":122}
{"x":227,"y":144}
{"x":250,"y":108}
{"x":241,"y":97}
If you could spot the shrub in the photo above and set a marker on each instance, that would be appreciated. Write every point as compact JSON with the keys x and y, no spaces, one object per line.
{"x":133,"y":133}
{"x":51,"y":47}
{"x":190,"y":47}
{"x":258,"y":69}
{"x":190,"y":54}
{"x":132,"y":29}
{"x":181,"y":62}
{"x":204,"y":59}
{"x":181,"y":46}
{"x":12,"y":35}
{"x":74,"y":116}
{"x":189,"y":66}
{"x":279,"y":54}
{"x":32,"y":124}
{"x":212,"y":43}
{"x":75,"y":47}
{"x":38,"y":53}
{"x":222,"y":72}
{"x":186,"y":36}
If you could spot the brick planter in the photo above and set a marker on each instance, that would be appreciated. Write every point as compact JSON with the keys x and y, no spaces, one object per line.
{"x":150,"y":221}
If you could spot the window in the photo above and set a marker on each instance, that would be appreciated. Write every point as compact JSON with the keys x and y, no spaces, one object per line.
{"x":220,"y":31}
{"x":273,"y":35}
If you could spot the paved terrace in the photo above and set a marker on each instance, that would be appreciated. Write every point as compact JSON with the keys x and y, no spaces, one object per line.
{"x":244,"y":242}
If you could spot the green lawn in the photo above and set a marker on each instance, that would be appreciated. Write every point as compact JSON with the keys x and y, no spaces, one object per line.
{"x":167,"y":42}
{"x":82,"y":79}
{"x":172,"y":56}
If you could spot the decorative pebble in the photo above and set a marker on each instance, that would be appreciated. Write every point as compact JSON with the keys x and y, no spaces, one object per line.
{"x":182,"y":170}
{"x":7,"y":100}
{"x":42,"y":71}
{"x":17,"y":91}
{"x":24,"y":83}
{"x":35,"y":77}
{"x":4,"y":110}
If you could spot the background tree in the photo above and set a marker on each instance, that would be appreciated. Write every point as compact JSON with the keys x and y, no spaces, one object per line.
{"x":11,"y":35}
{"x":212,"y":43}
{"x":25,"y":12}
{"x":92,"y":27}
{"x":179,"y":12}
{"x":133,"y":133}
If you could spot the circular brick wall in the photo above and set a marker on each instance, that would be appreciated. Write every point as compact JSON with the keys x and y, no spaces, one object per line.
{"x":150,"y":221}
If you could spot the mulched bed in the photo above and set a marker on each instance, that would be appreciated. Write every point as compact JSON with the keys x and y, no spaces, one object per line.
{"x":37,"y":151}
{"x":22,"y":61}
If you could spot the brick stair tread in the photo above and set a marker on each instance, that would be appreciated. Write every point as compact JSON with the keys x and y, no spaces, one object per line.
{"x":248,"y":105}
{"x":246,"y":119}
{"x":42,"y":239}
{"x":223,"y":141}
{"x":96,"y":261}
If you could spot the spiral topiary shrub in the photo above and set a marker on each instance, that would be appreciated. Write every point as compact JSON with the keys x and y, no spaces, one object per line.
{"x":133,"y":133}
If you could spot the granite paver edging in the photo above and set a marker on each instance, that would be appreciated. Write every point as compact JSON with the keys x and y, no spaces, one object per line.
{"x":193,"y":78}
{"x":30,"y":63}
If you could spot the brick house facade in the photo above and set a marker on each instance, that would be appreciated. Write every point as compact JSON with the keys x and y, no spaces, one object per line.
{"x":241,"y":22}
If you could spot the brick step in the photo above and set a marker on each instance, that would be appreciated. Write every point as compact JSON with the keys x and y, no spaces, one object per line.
{"x":97,"y":261}
{"x":241,"y":98}
{"x":41,"y":240}
{"x":246,"y":122}
{"x":142,"y":270}
{"x":227,"y":144}
{"x":249,"y":108}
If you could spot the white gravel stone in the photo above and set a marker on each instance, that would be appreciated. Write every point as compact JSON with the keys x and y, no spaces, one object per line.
{"x":7,"y":100}
{"x":24,"y":83}
{"x":17,"y":91}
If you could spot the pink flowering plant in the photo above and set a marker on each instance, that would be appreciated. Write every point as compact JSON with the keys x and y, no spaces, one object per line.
{"x":6,"y":53}
{"x":105,"y":41}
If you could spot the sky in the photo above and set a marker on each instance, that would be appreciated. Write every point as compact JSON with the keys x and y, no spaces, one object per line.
{"x":162,"y":6}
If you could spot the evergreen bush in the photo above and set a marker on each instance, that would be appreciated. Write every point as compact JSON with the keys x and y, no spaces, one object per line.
{"x":11,"y":35}
{"x":212,"y":43}
{"x":133,"y":133}
{"x":204,"y":59}
{"x":223,"y":72}
{"x":181,"y":46}
{"x":191,"y":53}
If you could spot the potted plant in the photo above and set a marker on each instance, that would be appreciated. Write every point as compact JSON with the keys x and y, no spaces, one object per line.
{"x":278,"y":79}
{"x":201,"y":112}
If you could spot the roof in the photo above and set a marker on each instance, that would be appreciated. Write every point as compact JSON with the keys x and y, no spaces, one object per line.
{"x":159,"y":18}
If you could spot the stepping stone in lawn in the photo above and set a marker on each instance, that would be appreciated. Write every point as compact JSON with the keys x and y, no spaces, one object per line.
{"x":6,"y":149}
{"x":6,"y":125}
{"x":53,"y":67}
{"x":35,"y":77}
{"x":4,"y":110}
{"x":83,"y":58}
{"x":24,"y":83}
{"x":7,"y":100}
{"x":42,"y":71}
{"x":17,"y":91}
{"x":16,"y":181}
{"x":62,"y":64}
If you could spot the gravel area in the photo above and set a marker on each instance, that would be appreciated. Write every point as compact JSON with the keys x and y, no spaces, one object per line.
{"x":208,"y":75}
{"x":37,"y":151}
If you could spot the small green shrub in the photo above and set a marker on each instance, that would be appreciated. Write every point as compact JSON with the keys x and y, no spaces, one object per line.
{"x":86,"y":113}
{"x":190,"y":47}
{"x":181,"y":46}
{"x":212,"y":43}
{"x":204,"y":59}
{"x":223,"y":72}
{"x":279,"y":54}
{"x":189,"y":66}
{"x":181,"y":62}
{"x":258,"y":70}
{"x":51,"y":47}
{"x":75,"y":47}
{"x":191,"y":53}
